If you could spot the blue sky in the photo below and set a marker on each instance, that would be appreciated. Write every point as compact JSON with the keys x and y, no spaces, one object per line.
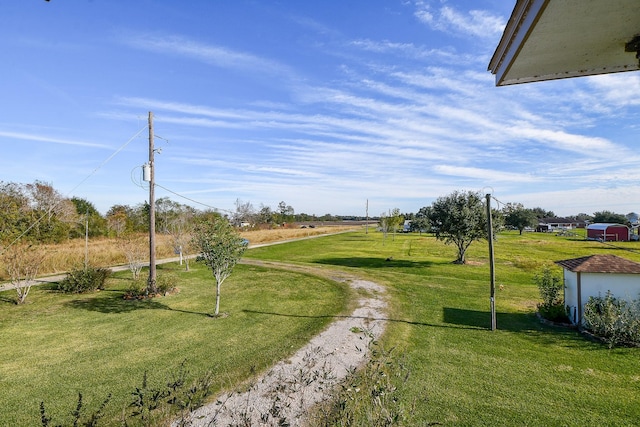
{"x":323,"y":105}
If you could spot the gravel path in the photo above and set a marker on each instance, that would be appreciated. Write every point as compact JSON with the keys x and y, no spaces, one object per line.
{"x":291,"y":387}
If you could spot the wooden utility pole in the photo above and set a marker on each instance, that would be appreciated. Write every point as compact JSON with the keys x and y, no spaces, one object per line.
{"x":491,"y":264}
{"x":151,"y":284}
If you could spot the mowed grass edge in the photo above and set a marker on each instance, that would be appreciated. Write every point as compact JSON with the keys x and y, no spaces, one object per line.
{"x":58,"y":345}
{"x":525,"y":373}
{"x":461,"y":372}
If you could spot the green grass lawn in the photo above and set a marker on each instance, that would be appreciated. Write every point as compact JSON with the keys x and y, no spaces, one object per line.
{"x":461,"y":373}
{"x":57,"y":345}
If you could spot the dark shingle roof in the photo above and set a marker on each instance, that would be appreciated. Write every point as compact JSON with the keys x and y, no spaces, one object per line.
{"x":601,"y":264}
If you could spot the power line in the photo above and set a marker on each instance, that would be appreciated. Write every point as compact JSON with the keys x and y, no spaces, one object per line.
{"x":192,"y":200}
{"x":107,"y":160}
{"x":37,"y":221}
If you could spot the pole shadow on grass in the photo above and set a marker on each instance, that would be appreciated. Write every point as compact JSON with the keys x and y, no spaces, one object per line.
{"x":386,"y":319}
{"x":523,"y":323}
{"x":456,"y":318}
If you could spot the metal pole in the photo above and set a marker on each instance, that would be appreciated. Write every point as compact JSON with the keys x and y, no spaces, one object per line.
{"x":151,"y":285}
{"x":366,"y":222}
{"x":491,"y":264}
{"x":86,"y":240}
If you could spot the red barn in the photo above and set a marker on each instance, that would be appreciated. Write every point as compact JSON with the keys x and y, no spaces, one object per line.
{"x":608,"y":232}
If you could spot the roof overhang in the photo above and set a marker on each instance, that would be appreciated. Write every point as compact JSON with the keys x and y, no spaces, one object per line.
{"x":547,"y":40}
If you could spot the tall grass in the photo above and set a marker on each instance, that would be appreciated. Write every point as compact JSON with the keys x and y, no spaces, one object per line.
{"x":104,"y":252}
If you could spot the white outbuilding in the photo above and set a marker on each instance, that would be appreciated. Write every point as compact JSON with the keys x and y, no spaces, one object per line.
{"x":595,"y":275}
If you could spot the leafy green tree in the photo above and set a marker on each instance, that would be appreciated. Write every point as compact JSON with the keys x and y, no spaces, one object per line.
{"x":395,"y":221}
{"x":16,"y":214}
{"x":54,"y":215}
{"x":584,"y":217}
{"x":542,"y":213}
{"x":420,"y":221}
{"x":521,"y":218}
{"x":609,"y":217}
{"x":389,"y":222}
{"x":265,"y":215}
{"x":166,"y":211}
{"x":118,"y":219}
{"x":220,"y":247}
{"x":97,"y":224}
{"x":285,"y":213}
{"x":459,"y":219}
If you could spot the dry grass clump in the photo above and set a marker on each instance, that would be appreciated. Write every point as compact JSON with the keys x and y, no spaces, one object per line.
{"x":280,"y":234}
{"x":105,"y":252}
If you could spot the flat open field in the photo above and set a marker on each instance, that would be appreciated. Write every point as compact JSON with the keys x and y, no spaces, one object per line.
{"x":460,"y":372}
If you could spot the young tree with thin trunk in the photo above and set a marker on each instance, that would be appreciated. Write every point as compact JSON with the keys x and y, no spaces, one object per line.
{"x":135,"y":251}
{"x":220,"y":247}
{"x":180,"y":229}
{"x":22,"y":262}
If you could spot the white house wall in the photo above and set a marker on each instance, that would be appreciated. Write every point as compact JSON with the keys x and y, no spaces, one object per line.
{"x":622,"y":286}
{"x":571,"y":294}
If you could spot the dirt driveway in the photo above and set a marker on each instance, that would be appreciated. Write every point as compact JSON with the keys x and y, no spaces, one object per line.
{"x":289,"y":389}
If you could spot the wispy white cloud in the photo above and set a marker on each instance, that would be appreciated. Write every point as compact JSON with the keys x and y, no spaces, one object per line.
{"x":486,"y":175}
{"x":218,"y":56}
{"x":48,"y":139}
{"x":408,"y":50}
{"x":564,"y":141}
{"x":477,"y":23}
{"x":620,"y":90}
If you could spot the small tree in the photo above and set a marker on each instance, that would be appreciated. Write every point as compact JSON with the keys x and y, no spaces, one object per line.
{"x":135,"y":251}
{"x":22,"y":263}
{"x":220,"y":247}
{"x":385,"y":225}
{"x":395,"y":220}
{"x":459,"y":218}
{"x":420,"y":221}
{"x":521,"y":218}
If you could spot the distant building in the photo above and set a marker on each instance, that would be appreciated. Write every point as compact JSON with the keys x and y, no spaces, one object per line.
{"x":558,"y":224}
{"x":608,"y":232}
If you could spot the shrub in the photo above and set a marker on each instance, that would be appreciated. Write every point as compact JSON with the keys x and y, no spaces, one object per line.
{"x":165,"y":283}
{"x":616,"y":321}
{"x":137,"y":289}
{"x":550,"y":287}
{"x":82,"y":280}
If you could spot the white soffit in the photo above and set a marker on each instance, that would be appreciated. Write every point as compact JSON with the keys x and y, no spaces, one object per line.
{"x":556,"y":39}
